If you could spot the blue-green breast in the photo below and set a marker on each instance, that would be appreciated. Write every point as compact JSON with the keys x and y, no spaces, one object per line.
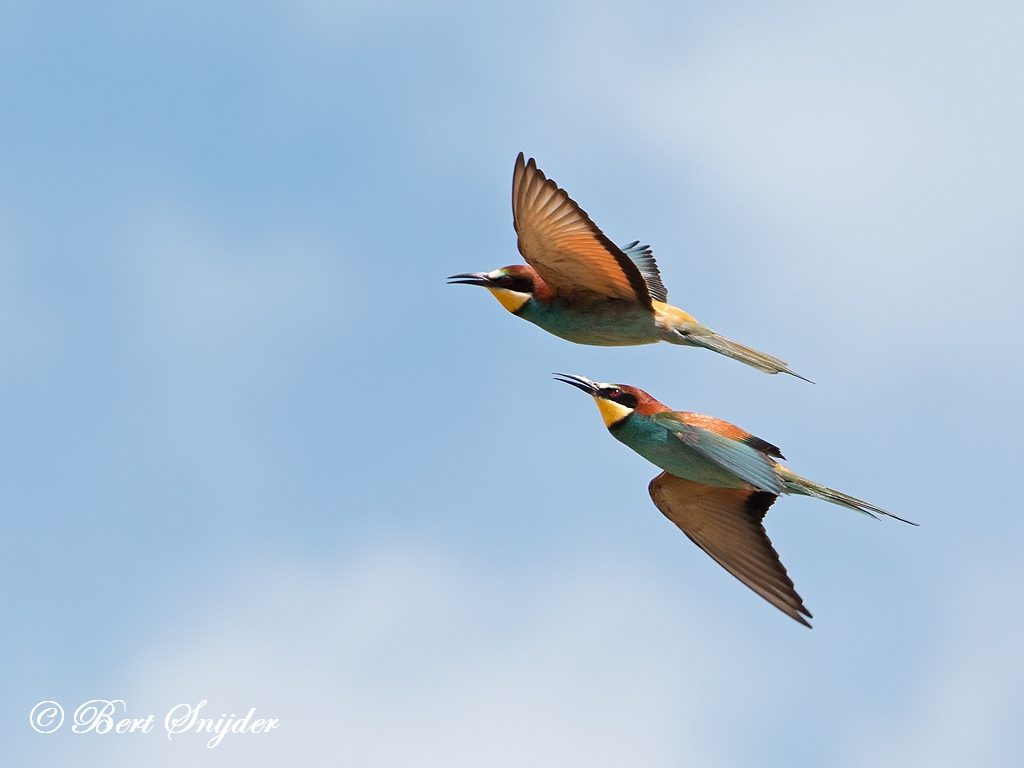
{"x":606,"y":324}
{"x":663,"y":449}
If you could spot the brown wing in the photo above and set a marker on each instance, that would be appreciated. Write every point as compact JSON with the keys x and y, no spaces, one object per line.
{"x":726,"y":523}
{"x":558,"y":239}
{"x":724,"y":428}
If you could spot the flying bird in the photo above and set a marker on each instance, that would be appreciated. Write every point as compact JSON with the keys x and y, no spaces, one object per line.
{"x":718,"y":482}
{"x":579,"y":285}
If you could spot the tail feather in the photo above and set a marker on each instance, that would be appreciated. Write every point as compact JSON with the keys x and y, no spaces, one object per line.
{"x":700,"y":336}
{"x":804,"y":487}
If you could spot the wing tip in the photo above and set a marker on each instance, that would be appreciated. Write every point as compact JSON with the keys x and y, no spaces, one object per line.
{"x":797,"y":375}
{"x":797,"y":617}
{"x":901,"y":519}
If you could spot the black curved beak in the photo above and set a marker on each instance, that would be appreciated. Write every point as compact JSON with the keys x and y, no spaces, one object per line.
{"x":470,"y":278}
{"x":580,"y":382}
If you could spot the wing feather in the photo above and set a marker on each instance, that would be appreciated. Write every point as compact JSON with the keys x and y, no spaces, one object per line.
{"x":732,"y":453}
{"x":726,"y":523}
{"x":559,"y":240}
{"x":643,"y":257}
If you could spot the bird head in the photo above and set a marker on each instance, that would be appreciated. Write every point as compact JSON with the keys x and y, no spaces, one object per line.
{"x":615,"y":401}
{"x":513,"y":286}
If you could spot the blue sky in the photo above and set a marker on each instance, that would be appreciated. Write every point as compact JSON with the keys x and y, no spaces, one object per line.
{"x":255,"y":450}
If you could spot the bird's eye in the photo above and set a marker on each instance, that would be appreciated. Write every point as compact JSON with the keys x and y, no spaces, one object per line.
{"x":506,"y":281}
{"x":614,"y":393}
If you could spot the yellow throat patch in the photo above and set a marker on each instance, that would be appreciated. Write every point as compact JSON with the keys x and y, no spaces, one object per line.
{"x":611,"y":412}
{"x":510,"y":300}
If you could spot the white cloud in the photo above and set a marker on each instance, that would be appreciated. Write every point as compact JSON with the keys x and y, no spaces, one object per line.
{"x":200,"y":289}
{"x":403,"y":658}
{"x":966,"y":713}
{"x":868,"y":147}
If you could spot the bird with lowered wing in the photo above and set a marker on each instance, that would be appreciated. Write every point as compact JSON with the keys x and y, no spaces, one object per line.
{"x":718,"y":481}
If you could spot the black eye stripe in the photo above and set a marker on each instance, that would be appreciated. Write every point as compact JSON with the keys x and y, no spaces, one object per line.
{"x":619,"y":396}
{"x":516,"y":283}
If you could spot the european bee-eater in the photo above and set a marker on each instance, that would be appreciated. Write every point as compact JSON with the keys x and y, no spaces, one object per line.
{"x":579,"y":285}
{"x":718,"y":482}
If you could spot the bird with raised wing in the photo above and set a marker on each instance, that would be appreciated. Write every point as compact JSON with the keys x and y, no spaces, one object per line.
{"x":718,"y":482}
{"x":579,"y":285}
